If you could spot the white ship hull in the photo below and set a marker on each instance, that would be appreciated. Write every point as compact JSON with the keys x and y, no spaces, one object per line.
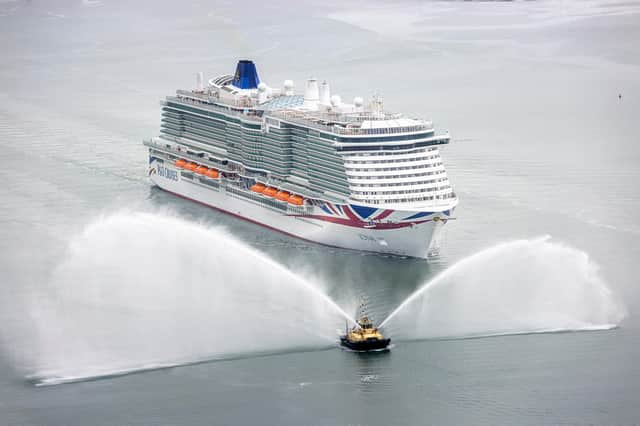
{"x":398,"y":232}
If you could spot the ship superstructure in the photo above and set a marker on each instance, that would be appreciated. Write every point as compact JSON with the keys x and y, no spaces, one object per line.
{"x":343,"y":174}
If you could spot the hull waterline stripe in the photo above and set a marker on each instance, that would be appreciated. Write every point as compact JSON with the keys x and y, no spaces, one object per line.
{"x":360,"y":224}
{"x":276,"y":229}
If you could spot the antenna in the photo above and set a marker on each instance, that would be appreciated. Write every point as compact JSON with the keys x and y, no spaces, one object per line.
{"x":377,"y":104}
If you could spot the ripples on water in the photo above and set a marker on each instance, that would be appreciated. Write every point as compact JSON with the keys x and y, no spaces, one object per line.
{"x":542,"y":145}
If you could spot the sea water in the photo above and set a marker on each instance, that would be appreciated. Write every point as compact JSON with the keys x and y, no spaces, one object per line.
{"x":103,"y":274}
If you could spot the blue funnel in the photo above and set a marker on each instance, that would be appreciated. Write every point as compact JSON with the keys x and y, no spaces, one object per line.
{"x":246,"y":75}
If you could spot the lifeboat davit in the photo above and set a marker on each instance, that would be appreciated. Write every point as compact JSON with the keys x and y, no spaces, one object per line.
{"x":213,"y":174}
{"x":181,"y":163}
{"x":201,"y":170}
{"x":296,"y":200}
{"x":258,"y":187}
{"x":282,"y":195}
{"x":191,"y":166}
{"x":270,"y":191}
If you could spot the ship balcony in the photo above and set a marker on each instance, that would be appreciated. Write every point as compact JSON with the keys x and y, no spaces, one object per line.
{"x":431,"y":202}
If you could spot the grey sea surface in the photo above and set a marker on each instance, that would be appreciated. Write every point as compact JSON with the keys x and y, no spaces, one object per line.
{"x":124,"y":305}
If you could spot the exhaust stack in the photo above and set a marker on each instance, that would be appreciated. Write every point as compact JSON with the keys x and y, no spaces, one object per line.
{"x":246,"y":76}
{"x":311,"y":95}
{"x":199,"y":82}
{"x":325,"y":94}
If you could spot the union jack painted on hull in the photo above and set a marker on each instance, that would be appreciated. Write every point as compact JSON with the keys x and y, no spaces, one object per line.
{"x":372,"y":218}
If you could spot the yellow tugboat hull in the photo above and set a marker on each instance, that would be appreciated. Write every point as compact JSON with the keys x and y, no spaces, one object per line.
{"x":365,"y":345}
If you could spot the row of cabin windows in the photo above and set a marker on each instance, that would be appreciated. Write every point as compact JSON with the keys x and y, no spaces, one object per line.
{"x":215,"y":123}
{"x":224,"y":117}
{"x":262,"y":158}
{"x":247,"y":145}
{"x":385,"y":185}
{"x":203,"y":134}
{"x":206,"y":136}
{"x":409,"y":200}
{"x":275,"y":140}
{"x":399,"y":160}
{"x":171,"y":106}
{"x":256,"y":147}
{"x":390,"y":138}
{"x":323,"y":186}
{"x":351,"y":149}
{"x":319,"y":146}
{"x":220,"y":134}
{"x":333,"y":163}
{"x":406,"y":191}
{"x":269,"y":161}
{"x":379,"y":154}
{"x":185,"y":119}
{"x":393,"y":169}
{"x":384,"y":177}
{"x":327,"y":177}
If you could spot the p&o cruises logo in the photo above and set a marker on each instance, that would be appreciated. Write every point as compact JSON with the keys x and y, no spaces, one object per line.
{"x":166,"y":173}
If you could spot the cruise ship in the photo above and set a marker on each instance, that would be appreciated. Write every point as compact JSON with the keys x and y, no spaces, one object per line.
{"x":310,"y":165}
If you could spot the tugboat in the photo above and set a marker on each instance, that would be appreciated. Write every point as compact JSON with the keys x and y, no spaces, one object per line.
{"x":364,"y":337}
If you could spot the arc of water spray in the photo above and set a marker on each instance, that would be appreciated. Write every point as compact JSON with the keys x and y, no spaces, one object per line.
{"x":95,"y":350}
{"x":452,"y":269}
{"x":296,"y":278}
{"x":310,"y":287}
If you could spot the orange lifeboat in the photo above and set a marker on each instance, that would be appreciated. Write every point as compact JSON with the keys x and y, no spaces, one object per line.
{"x":258,"y":187}
{"x":181,"y":163}
{"x":213,"y":174}
{"x":282,"y":196}
{"x":270,"y":191}
{"x":191,"y":166}
{"x":296,"y":200}
{"x":201,"y":170}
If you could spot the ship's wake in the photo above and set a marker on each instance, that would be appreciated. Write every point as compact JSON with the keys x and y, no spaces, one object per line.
{"x":140,"y":291}
{"x":519,"y":287}
{"x":51,"y":378}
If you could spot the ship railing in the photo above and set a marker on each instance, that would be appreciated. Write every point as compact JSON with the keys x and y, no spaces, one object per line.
{"x":268,"y":202}
{"x":382,"y":130}
{"x":181,"y":153}
{"x":434,"y":201}
{"x":340,"y":117}
{"x":297,"y":118}
{"x":205,"y":103}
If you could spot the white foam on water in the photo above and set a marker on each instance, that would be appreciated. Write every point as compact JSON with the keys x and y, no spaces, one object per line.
{"x":524,"y":286}
{"x":140,"y":291}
